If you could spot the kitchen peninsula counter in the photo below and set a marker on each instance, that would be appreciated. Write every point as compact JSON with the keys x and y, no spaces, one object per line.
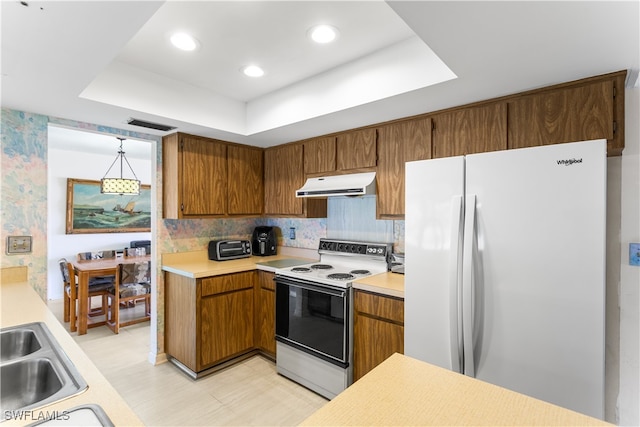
{"x":197,"y":265}
{"x":389,"y":284}
{"x":20,"y":305}
{"x":215,"y":311}
{"x":406,"y":391}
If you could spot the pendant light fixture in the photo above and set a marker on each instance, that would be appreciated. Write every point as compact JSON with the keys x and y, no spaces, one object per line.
{"x":120,"y":185}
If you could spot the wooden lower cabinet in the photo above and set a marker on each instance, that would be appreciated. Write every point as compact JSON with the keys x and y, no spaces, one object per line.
{"x":378,"y":330}
{"x":265,"y":312}
{"x":210,"y":320}
{"x":227,"y":321}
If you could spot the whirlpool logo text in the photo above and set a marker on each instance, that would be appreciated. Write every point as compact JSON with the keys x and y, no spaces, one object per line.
{"x":569,"y":162}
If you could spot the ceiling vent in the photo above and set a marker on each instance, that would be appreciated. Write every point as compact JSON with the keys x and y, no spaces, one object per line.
{"x":149,"y":125}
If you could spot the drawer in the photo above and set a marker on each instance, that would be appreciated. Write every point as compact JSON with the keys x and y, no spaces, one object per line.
{"x":227,"y":283}
{"x":266,"y":280}
{"x":380,"y":306}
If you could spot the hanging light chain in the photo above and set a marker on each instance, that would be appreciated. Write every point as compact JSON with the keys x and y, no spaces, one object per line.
{"x":120,"y":185}
{"x":120,"y":156}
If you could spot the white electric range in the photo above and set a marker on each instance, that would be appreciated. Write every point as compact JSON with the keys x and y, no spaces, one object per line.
{"x":314,"y":317}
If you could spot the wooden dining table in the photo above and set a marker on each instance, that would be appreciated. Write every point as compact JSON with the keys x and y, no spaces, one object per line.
{"x":92,"y":268}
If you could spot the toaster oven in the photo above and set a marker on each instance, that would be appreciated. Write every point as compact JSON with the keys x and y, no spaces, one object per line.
{"x":222,"y":250}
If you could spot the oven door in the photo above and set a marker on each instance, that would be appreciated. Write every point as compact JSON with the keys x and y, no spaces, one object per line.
{"x":313,"y":317}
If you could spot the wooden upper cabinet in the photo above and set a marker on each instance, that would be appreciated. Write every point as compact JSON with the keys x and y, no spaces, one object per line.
{"x":356,"y":149}
{"x":575,"y":113}
{"x":320,"y":155}
{"x":283,"y":175}
{"x":470,"y":130}
{"x":245,"y":185}
{"x":204,"y":176}
{"x":399,"y":143}
{"x":194,"y":176}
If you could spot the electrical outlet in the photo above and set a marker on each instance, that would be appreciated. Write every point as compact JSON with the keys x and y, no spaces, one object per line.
{"x":292,"y":233}
{"x":634,"y":254}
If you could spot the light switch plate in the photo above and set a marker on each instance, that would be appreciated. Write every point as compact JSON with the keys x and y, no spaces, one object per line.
{"x":634,"y":254}
{"x":18,"y":244}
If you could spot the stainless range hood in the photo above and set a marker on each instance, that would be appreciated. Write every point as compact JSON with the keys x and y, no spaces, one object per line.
{"x":356,"y":184}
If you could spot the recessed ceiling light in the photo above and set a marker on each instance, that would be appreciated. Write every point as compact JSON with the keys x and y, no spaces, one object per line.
{"x":253,"y":71}
{"x":184,"y":41}
{"x":323,"y":33}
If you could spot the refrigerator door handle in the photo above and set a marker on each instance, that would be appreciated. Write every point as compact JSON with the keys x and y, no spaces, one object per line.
{"x":455,"y":300}
{"x":468,"y":284}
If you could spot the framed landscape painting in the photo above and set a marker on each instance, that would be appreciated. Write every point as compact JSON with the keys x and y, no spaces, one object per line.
{"x":90,"y":211}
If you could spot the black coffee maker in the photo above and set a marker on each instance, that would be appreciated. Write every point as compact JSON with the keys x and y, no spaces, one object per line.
{"x":263,"y":242}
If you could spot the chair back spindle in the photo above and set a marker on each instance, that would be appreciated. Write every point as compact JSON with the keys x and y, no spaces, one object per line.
{"x":133,"y":283}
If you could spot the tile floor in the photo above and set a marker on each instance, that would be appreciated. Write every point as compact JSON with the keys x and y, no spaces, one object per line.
{"x":249,"y":393}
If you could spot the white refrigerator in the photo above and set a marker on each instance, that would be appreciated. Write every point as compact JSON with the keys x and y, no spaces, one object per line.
{"x":505,"y":269}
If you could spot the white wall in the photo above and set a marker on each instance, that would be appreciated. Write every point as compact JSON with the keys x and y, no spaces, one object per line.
{"x":629,"y":400}
{"x":71,"y":164}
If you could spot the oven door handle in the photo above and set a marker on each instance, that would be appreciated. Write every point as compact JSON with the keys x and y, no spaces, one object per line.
{"x":325,"y":289}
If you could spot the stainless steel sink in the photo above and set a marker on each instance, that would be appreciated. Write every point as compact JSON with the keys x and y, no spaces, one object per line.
{"x":28,"y":381}
{"x":84,"y":415}
{"x":17,"y":343}
{"x":34,"y":370}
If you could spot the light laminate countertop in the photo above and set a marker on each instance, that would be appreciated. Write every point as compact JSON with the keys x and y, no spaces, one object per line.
{"x":390,"y":284}
{"x":196,"y":264}
{"x":403,"y":391}
{"x":21,"y":304}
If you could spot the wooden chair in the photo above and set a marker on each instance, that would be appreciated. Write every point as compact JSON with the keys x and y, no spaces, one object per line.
{"x":133,"y":282}
{"x":133,"y":251}
{"x":99,"y":280}
{"x":96,"y":289}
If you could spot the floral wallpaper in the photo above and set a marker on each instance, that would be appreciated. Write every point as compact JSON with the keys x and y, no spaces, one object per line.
{"x":23,"y":199}
{"x":23,"y":206}
{"x":307,"y":231}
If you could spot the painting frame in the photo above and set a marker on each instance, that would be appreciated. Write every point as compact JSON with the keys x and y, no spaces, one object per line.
{"x":91,"y":212}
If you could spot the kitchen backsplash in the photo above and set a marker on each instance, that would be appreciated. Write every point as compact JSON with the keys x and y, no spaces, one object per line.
{"x":354,"y":218}
{"x":195,"y":234}
{"x":307,"y":231}
{"x":348,"y":218}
